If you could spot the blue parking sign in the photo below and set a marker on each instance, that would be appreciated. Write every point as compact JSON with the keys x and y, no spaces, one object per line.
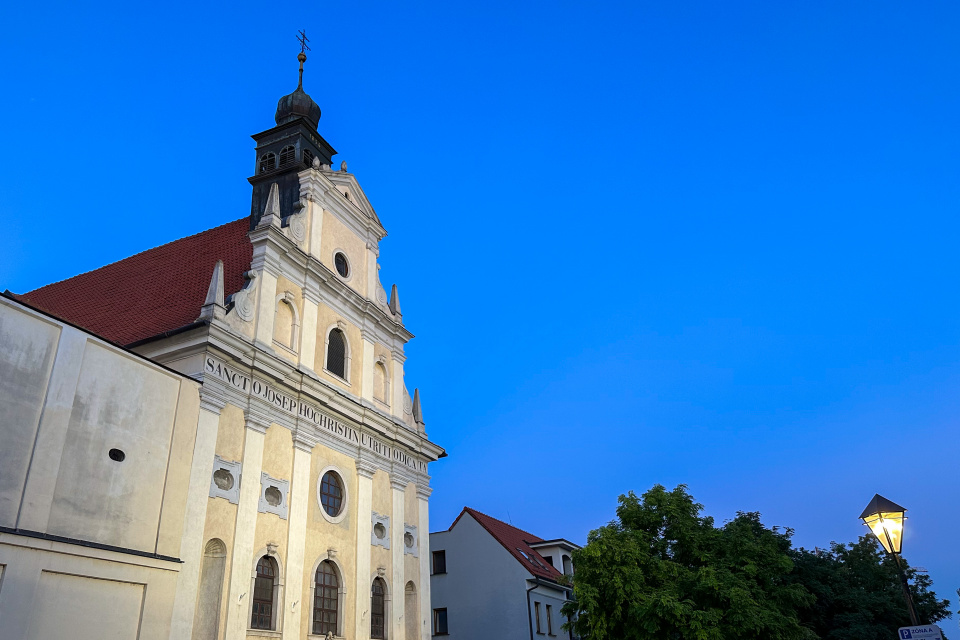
{"x":923,"y":632}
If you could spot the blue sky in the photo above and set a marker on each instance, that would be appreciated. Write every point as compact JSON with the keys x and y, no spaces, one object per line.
{"x":701,"y":243}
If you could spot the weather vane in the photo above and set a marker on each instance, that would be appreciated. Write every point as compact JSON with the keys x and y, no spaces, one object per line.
{"x":302,"y":56}
{"x":303,"y":40}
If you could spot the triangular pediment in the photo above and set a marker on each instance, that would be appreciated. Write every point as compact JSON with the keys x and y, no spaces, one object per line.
{"x":347,"y":184}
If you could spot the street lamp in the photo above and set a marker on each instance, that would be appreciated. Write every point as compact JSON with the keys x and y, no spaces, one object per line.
{"x":885,"y":519}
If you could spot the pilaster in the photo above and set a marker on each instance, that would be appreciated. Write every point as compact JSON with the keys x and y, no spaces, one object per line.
{"x":266,"y":309}
{"x":299,"y":500}
{"x":365,"y":471}
{"x":308,"y":330}
{"x":312,"y":189}
{"x":195,"y":517}
{"x":366,"y":380}
{"x":373,"y":280}
{"x":423,"y":527}
{"x":398,"y":485}
{"x":238,"y":593}
{"x":396,"y":388}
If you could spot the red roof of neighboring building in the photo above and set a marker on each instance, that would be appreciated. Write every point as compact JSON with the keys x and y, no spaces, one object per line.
{"x":515,"y":541}
{"x":153,"y":292}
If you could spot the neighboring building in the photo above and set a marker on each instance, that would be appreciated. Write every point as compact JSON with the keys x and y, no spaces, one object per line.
{"x":492,"y":580}
{"x":306,"y":474}
{"x":94,"y":469}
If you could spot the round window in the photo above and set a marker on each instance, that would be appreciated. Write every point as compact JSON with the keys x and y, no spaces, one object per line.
{"x":408,"y":540}
{"x":223,"y":479}
{"x":331,"y":493}
{"x":343,"y":268}
{"x":380,"y":531}
{"x":273,"y":496}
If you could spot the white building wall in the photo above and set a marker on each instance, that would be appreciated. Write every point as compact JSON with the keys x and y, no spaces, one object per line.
{"x":99,"y":559}
{"x":484,"y":589}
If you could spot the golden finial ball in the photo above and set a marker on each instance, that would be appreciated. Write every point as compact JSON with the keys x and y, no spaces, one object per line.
{"x":302,"y":57}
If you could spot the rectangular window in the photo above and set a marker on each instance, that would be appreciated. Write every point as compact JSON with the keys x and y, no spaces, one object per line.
{"x":536,"y":605}
{"x":439,"y":562}
{"x":549,"y":620}
{"x":439,"y":622}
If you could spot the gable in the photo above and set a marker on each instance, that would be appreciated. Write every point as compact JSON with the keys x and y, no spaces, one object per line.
{"x":347,"y":183}
{"x":515,"y":541}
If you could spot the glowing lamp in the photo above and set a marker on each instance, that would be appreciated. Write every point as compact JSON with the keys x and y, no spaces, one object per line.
{"x":885,"y":519}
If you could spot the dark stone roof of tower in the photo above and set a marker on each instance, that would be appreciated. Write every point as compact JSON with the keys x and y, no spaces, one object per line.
{"x":298,"y":105}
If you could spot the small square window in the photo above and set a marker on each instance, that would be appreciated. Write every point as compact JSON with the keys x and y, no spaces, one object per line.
{"x":440,"y":622}
{"x":440,"y":563}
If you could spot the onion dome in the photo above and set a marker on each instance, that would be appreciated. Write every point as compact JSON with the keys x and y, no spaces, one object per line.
{"x":298,"y":104}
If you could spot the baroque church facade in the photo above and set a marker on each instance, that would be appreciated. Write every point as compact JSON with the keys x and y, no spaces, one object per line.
{"x":306,"y":497}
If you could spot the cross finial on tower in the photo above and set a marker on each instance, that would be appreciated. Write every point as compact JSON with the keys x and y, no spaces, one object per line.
{"x":302,"y":56}
{"x":303,"y":40}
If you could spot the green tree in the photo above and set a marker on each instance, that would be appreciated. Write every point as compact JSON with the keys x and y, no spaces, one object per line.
{"x":662,"y":570}
{"x":858,"y":593}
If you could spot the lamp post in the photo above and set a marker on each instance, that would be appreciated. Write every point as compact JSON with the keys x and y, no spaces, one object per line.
{"x":885,"y":519}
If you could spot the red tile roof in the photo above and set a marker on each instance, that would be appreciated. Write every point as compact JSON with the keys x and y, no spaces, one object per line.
{"x":153,"y":292}
{"x":515,"y":541}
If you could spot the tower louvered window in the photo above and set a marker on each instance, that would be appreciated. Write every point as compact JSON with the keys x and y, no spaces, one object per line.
{"x":288,"y":155}
{"x":308,"y":157}
{"x":268,"y":162}
{"x":337,"y":353}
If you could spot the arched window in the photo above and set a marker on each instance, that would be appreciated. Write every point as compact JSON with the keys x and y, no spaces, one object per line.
{"x":411,"y":614}
{"x":288,"y":155}
{"x":567,"y":566}
{"x":325,"y":600}
{"x":207,"y":619}
{"x":380,"y":382}
{"x":308,"y":157}
{"x":337,"y":353}
{"x":286,"y":322}
{"x":262,"y":617}
{"x":377,"y":610}
{"x":268,"y":162}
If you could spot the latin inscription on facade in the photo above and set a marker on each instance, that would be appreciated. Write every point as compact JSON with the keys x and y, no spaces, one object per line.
{"x":305,"y":410}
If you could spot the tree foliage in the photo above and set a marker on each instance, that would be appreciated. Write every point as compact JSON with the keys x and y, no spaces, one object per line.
{"x":858,"y":592}
{"x":662,"y":570}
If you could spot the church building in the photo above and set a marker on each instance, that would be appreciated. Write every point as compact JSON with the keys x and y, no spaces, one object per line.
{"x":305,"y":472}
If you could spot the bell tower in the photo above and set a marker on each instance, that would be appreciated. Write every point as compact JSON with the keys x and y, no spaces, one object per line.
{"x":288,"y":148}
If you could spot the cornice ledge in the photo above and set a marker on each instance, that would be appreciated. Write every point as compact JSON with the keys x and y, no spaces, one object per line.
{"x":366,"y":468}
{"x":263,"y":258}
{"x":212,"y":399}
{"x":272,"y":366}
{"x":423,"y":491}
{"x":304,"y":439}
{"x":399,"y":482}
{"x":255,"y":421}
{"x":311,"y":292}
